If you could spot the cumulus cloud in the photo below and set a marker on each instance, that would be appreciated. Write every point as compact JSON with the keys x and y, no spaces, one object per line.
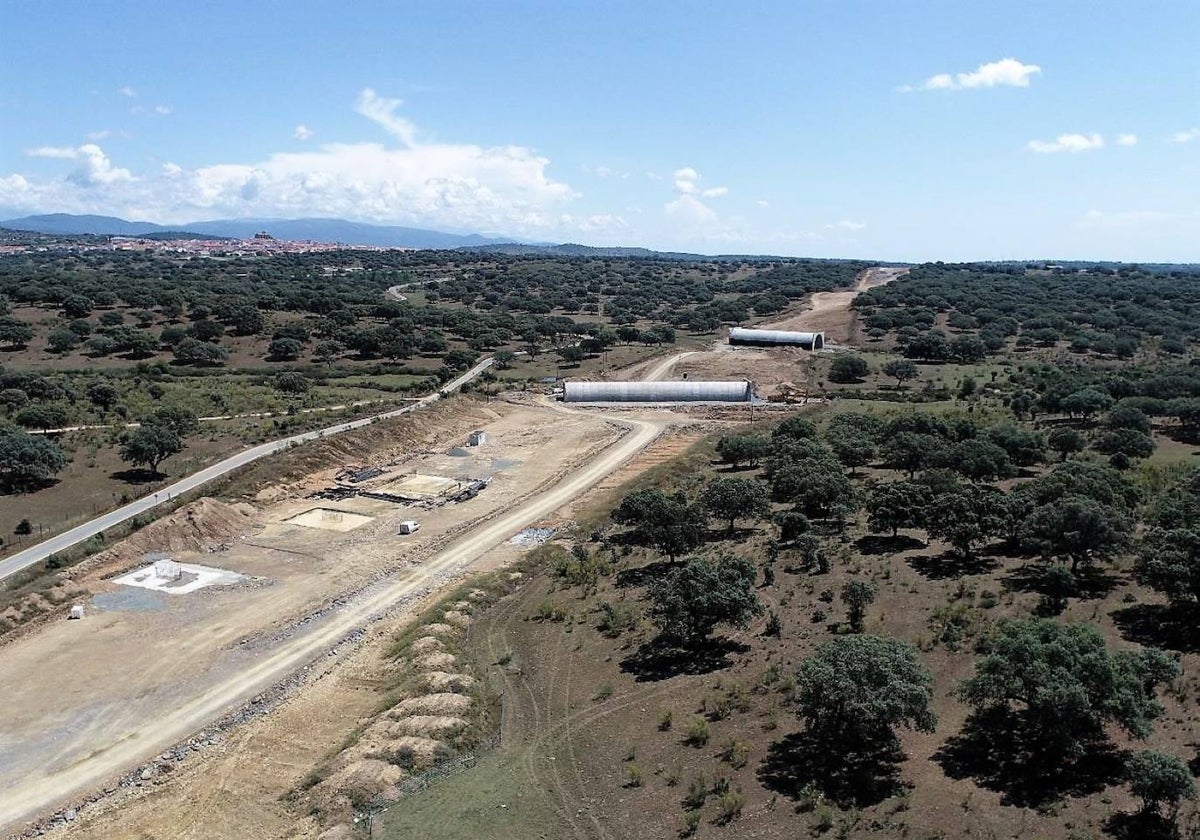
{"x":127,"y":91}
{"x":302,"y":132}
{"x":762,"y":202}
{"x":95,"y":136}
{"x":94,"y":168}
{"x":685,"y":180}
{"x":846,"y":224}
{"x":1067,"y":143}
{"x":1007,"y":72}
{"x":690,"y":211}
{"x":1127,"y":139}
{"x":451,"y":185}
{"x":163,"y":110}
{"x":715,"y":192}
{"x":1185,"y":136}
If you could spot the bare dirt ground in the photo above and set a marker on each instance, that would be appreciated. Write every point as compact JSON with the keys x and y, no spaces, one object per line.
{"x":830,"y":312}
{"x":771,"y":368}
{"x":134,"y":678}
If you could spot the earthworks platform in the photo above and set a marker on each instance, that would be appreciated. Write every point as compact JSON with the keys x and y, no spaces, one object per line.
{"x":329,"y":519}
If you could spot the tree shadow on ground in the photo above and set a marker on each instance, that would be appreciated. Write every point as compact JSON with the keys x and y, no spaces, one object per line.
{"x":136,"y":475}
{"x":659,"y":659}
{"x":9,"y":489}
{"x":642,"y":575}
{"x":1001,"y":752}
{"x":1090,"y":582}
{"x":950,"y":565}
{"x":1141,"y":825}
{"x":873,"y":544}
{"x":851,"y":777}
{"x":1171,"y":626}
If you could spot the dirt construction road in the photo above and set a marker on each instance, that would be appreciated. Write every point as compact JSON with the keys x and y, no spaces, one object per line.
{"x":830,"y":312}
{"x":40,"y":791}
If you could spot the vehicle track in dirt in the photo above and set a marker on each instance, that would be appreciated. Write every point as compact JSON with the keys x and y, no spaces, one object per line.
{"x":42,"y":791}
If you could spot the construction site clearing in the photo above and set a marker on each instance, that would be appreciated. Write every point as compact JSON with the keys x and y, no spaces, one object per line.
{"x":264,"y":578}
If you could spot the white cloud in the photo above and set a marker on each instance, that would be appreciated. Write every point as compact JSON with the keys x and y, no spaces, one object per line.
{"x":690,"y":211}
{"x":1007,"y":72}
{"x":846,"y":224}
{"x":302,"y":132}
{"x":1127,"y":139}
{"x":127,"y":91}
{"x":504,"y":189}
{"x":685,"y":180}
{"x":1185,"y":136}
{"x":762,"y":202}
{"x":98,"y":135}
{"x":163,"y":110}
{"x":62,"y":152}
{"x":715,"y":192}
{"x":1067,"y":143}
{"x":94,"y":168}
{"x":382,"y":112}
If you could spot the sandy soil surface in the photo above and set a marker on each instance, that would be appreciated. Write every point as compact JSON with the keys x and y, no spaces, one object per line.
{"x":771,"y":368}
{"x":144,"y":673}
{"x":830,"y":312}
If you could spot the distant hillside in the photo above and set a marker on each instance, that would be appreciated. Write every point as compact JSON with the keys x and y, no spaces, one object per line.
{"x":317,"y":230}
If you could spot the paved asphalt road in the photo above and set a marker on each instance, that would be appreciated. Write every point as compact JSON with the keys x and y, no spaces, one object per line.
{"x":38,"y":553}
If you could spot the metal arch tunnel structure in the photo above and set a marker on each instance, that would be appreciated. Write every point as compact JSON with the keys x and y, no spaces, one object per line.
{"x":687,"y":390}
{"x":776,"y":338}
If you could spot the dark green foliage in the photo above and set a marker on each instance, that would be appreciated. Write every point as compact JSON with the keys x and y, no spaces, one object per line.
{"x":150,"y":445}
{"x":896,"y":505}
{"x":1077,"y":528}
{"x":857,"y":595}
{"x":902,"y":370}
{"x":731,"y":499}
{"x":1128,"y":442}
{"x":856,"y":688}
{"x":1159,"y":779}
{"x":670,"y":524}
{"x":27,"y":461}
{"x":977,"y":460}
{"x":1169,"y":561}
{"x":1024,"y":447}
{"x":1066,"y":441}
{"x":739,"y":450}
{"x":847,"y":367}
{"x":688,"y":602}
{"x":191,"y":351}
{"x":967,"y":517}
{"x":14,"y":334}
{"x":1066,"y":684}
{"x":795,"y":427}
{"x":292,"y":382}
{"x":912,"y":452}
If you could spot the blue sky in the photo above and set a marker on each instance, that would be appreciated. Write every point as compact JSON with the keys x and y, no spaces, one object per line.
{"x":888,"y":130}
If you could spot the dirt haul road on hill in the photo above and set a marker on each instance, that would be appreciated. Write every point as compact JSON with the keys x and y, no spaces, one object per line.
{"x":41,"y":791}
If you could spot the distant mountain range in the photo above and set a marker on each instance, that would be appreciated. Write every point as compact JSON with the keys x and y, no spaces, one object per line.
{"x":317,"y":230}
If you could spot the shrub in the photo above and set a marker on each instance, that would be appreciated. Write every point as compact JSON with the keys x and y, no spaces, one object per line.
{"x":697,"y":732}
{"x":729,"y":806}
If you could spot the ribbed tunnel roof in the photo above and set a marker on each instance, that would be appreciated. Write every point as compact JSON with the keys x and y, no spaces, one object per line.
{"x":674,"y":391}
{"x":744,"y":335}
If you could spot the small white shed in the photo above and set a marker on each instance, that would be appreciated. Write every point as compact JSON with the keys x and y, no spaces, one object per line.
{"x":76,"y":612}
{"x":476,"y":438}
{"x":409,"y":526}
